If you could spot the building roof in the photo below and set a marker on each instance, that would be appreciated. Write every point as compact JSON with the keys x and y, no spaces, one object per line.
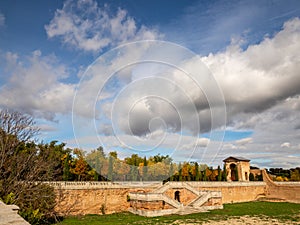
{"x":234,"y":159}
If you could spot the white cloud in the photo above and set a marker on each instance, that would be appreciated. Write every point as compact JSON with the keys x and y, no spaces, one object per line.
{"x":285,"y":145}
{"x":244,"y":141}
{"x":249,"y":87}
{"x":35,"y":86}
{"x":261,"y":76}
{"x":86,"y":26}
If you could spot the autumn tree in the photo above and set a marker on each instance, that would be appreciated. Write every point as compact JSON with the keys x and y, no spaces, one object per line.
{"x":179,"y":172}
{"x":121,"y":170}
{"x":171,"y":172}
{"x":80,"y":166}
{"x":98,"y":161}
{"x":205,"y":175}
{"x":295,"y":176}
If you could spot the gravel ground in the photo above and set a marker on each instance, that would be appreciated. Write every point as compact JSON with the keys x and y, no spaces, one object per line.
{"x":243,"y":220}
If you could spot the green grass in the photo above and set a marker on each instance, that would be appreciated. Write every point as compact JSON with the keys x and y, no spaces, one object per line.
{"x":272,"y":210}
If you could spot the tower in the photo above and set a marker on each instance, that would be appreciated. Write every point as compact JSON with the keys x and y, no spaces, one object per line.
{"x":238,"y":168}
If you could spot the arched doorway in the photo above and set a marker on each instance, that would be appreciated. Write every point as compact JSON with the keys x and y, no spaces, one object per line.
{"x":233,"y":169}
{"x":177,"y":196}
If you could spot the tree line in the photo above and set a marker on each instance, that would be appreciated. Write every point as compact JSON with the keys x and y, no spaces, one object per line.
{"x":97,"y":166}
{"x":280,"y":174}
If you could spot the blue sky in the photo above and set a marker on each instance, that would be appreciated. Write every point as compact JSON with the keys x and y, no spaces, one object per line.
{"x":245,"y":102}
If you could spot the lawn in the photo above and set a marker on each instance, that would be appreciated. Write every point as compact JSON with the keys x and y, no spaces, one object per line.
{"x":273,"y":210}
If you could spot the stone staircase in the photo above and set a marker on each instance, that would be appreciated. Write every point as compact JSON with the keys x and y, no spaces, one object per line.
{"x":150,"y":197}
{"x":162,"y":188}
{"x":194,"y":206}
{"x":169,"y":185}
{"x":200,"y":200}
{"x":189,"y":210}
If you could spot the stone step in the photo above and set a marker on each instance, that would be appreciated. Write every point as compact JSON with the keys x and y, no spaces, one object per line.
{"x":189,"y":210}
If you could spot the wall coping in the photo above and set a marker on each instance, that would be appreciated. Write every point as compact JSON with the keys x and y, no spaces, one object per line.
{"x":70,"y":185}
{"x":225,"y":183}
{"x":289,"y":183}
{"x":75,"y":185}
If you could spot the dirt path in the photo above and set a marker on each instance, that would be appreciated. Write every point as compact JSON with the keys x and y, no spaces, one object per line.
{"x":243,"y":220}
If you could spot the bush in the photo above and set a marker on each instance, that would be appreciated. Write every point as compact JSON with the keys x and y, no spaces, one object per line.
{"x":102,"y":209}
{"x":36,"y":202}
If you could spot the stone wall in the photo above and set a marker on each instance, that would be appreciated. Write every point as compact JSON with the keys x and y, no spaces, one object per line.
{"x":185,"y":195}
{"x":234,"y":191}
{"x":77,"y":198}
{"x":288,"y":191}
{"x":155,"y":205}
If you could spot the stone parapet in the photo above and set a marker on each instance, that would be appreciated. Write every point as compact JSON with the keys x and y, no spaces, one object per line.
{"x":287,"y":183}
{"x":284,"y":191}
{"x":225,"y":184}
{"x":86,"y":185}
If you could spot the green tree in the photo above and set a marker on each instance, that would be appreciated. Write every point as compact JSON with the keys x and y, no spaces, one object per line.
{"x":200,"y":176}
{"x":110,"y":168}
{"x":161,"y":158}
{"x":66,"y":168}
{"x":145,"y":169}
{"x":134,"y":160}
{"x":134,"y":173}
{"x":205,"y":175}
{"x":224,"y":174}
{"x":219,"y":174}
{"x":114,"y":154}
{"x":197,"y":173}
{"x":179,"y":172}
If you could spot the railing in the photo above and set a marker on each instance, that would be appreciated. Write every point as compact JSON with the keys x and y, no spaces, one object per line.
{"x":101,"y":184}
{"x":160,"y":188}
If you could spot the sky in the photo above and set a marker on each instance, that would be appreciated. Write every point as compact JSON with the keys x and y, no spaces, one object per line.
{"x":197,"y":80}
